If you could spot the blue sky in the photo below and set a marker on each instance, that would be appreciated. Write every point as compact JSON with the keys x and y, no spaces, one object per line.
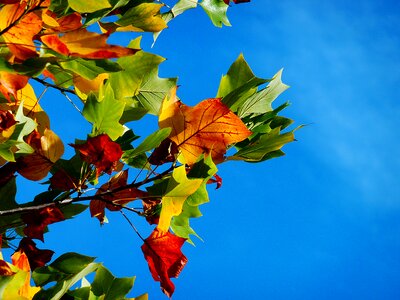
{"x":323,"y":222}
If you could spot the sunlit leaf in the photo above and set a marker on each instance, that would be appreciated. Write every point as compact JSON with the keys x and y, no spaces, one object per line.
{"x":207,"y":128}
{"x":88,"y":6}
{"x":216,"y":10}
{"x":85,"y":44}
{"x":162,"y":251}
{"x":178,"y":189}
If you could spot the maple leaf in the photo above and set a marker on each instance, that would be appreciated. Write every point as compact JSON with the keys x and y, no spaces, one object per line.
{"x":37,"y":221}
{"x":22,"y":28}
{"x":100,"y":151}
{"x":162,"y":251}
{"x":86,"y":44}
{"x":36,"y":257}
{"x":209,"y":128}
{"x":122,"y":197}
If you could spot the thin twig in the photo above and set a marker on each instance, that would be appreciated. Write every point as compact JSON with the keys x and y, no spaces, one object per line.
{"x":133,"y":226}
{"x":48,"y":84}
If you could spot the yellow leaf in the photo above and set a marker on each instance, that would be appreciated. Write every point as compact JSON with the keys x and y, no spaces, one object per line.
{"x":178,"y":189}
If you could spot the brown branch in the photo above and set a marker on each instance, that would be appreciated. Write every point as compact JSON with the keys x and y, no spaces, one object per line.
{"x":68,"y":201}
{"x":47,"y":84}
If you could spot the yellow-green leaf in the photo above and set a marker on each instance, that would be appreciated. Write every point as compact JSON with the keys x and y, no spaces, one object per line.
{"x":178,"y":189}
{"x":88,"y":6}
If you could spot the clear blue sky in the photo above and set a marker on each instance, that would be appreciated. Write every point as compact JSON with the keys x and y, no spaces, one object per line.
{"x":323,"y":222}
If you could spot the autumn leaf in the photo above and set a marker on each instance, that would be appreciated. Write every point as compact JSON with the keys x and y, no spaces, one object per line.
{"x":53,"y":24}
{"x":7,"y":121}
{"x":162,"y":251}
{"x":36,"y":257}
{"x":82,"y":43}
{"x":37,"y":221}
{"x":20,"y":287}
{"x":120,"y":197}
{"x":11,"y":83}
{"x":48,"y":149}
{"x":22,"y":27}
{"x":100,"y":151}
{"x":209,"y":128}
{"x":174,"y":194}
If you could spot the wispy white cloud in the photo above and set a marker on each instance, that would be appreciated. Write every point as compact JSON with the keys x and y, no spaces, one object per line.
{"x":345,"y":73}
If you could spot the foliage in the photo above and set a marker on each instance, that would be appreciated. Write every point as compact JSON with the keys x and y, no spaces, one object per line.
{"x":57,"y":44}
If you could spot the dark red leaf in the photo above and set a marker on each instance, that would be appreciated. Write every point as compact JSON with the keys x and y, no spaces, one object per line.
{"x":217,"y":179}
{"x":5,"y":269}
{"x":162,"y":250}
{"x":164,"y":153}
{"x":62,"y":181}
{"x":6,"y":120}
{"x":36,"y":257}
{"x":100,"y":151}
{"x":151,"y":210}
{"x":120,"y":197}
{"x":37,"y":221}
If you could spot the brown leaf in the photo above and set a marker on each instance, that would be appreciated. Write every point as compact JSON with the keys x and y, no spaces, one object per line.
{"x":82,"y":43}
{"x":165,"y":152}
{"x":163,"y":254}
{"x":37,"y":221}
{"x":7,"y":120}
{"x":209,"y":128}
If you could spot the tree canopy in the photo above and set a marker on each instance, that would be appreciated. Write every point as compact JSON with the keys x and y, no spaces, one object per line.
{"x":62,"y":45}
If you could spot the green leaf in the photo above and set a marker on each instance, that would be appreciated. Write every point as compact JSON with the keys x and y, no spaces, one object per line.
{"x":140,"y":80}
{"x":238,"y":96}
{"x":88,"y":6}
{"x":7,"y":201}
{"x":143,"y":17}
{"x":203,"y":169}
{"x":133,"y":110}
{"x":90,"y":69}
{"x":261,"y":102}
{"x":153,"y":90}
{"x":71,"y":263}
{"x":183,"y":5}
{"x":174,"y":192}
{"x":216,"y":10}
{"x":105,"y":115}
{"x":239,"y":73}
{"x":264,"y":148}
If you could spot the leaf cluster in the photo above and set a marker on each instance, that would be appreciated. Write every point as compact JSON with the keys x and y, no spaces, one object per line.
{"x":62,"y":45}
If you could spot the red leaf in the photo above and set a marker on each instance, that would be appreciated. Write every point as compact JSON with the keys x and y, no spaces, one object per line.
{"x":36,"y":257}
{"x":217,"y":179}
{"x":122,"y":197}
{"x":164,"y":153}
{"x":63,"y":181}
{"x":37,"y":221}
{"x":6,"y":120}
{"x":5,"y":269}
{"x":165,"y":258}
{"x":100,"y":151}
{"x":151,"y":210}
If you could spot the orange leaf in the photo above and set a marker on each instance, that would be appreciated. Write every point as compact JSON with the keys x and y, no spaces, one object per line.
{"x":122,"y":197}
{"x":36,"y":257}
{"x":63,"y":24}
{"x":165,"y":258}
{"x":209,"y":128}
{"x":11,"y":83}
{"x":82,"y":43}
{"x":22,"y":29}
{"x":20,"y":260}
